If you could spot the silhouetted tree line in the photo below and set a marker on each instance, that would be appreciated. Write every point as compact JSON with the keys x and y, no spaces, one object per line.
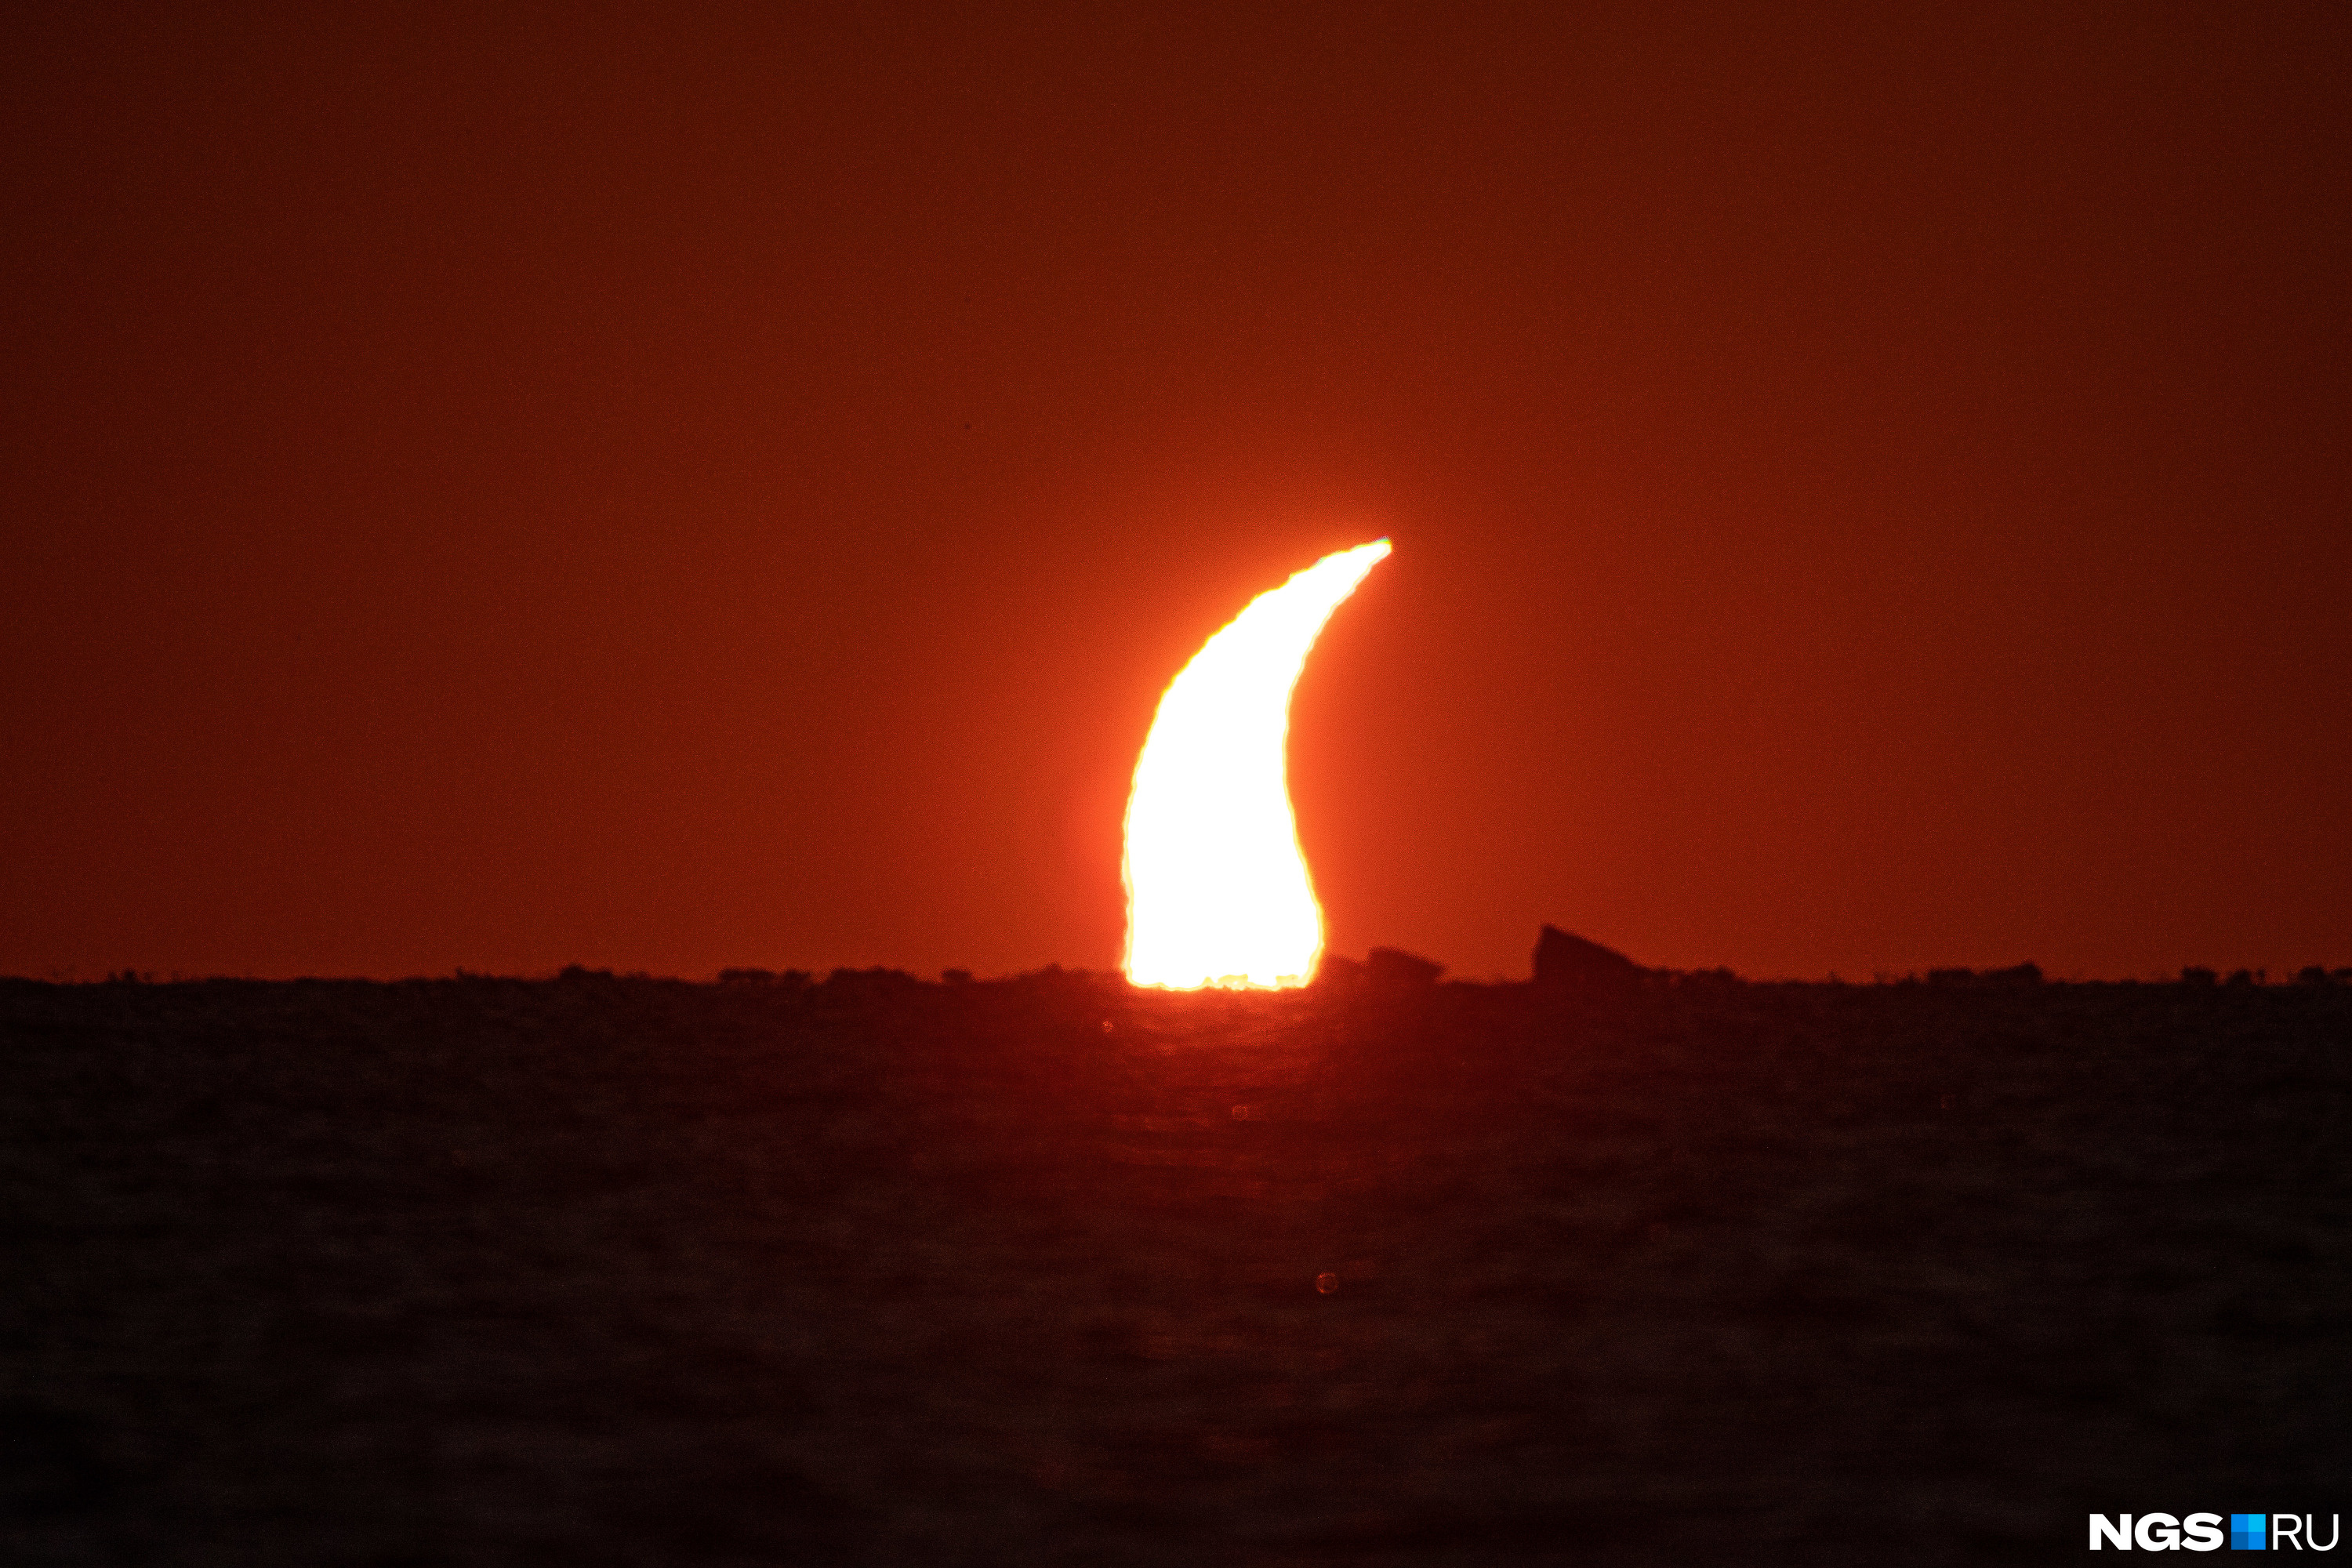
{"x":2016,"y":974}
{"x":1563,"y":963}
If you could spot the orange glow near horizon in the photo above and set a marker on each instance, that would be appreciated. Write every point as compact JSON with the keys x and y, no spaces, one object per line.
{"x":1217,"y":888}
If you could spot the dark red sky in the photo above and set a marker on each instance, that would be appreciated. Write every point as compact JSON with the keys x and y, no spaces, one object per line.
{"x":695,"y":487}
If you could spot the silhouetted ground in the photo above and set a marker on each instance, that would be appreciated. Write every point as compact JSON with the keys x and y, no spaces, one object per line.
{"x":608,"y":1270}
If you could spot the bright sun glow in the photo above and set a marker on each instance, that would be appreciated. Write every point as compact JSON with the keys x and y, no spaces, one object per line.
{"x":1217,"y":892}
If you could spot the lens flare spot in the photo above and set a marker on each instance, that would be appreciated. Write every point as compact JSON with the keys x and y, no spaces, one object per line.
{"x":1217,"y":888}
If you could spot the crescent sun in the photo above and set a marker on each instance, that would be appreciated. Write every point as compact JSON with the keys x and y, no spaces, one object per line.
{"x":1217,"y":888}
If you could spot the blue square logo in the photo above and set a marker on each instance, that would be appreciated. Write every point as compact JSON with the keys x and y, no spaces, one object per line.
{"x":2247,"y":1532}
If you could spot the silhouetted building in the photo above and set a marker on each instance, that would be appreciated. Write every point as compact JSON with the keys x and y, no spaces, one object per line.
{"x":1335,"y":973}
{"x":1569,"y":963}
{"x":1394,"y":968}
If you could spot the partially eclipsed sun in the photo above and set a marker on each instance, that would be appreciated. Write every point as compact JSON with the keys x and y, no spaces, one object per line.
{"x":1217,"y":890}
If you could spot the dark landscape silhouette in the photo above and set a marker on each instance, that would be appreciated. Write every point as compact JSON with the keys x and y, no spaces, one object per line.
{"x":1627,"y":1266}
